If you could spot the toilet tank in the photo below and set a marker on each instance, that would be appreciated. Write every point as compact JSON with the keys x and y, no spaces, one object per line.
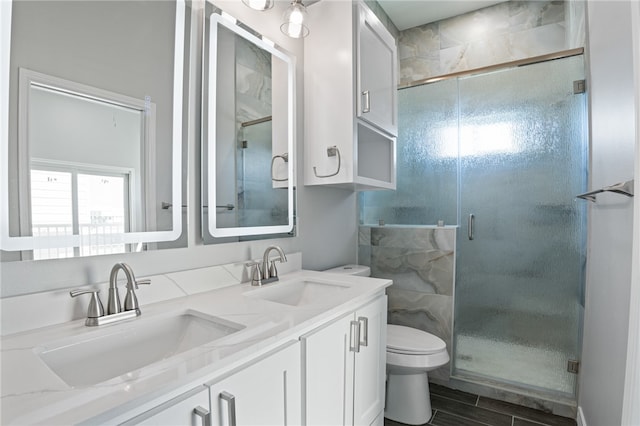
{"x":360,"y":270}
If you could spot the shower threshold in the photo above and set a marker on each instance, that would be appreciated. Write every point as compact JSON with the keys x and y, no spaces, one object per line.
{"x":534,"y":377}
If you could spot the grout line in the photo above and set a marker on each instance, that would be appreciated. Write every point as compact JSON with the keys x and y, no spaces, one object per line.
{"x":472,"y":404}
{"x":513,"y":416}
{"x":432,"y":416}
{"x":529,"y":420}
{"x":461,"y":416}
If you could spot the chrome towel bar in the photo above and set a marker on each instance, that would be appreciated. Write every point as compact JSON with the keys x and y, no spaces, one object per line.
{"x":166,"y":206}
{"x":624,"y":188}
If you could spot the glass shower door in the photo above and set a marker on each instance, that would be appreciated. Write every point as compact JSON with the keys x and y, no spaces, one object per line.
{"x":521,"y":245}
{"x":259,"y":203}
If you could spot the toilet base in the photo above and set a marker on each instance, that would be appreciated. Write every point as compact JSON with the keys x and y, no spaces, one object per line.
{"x":408,"y":398}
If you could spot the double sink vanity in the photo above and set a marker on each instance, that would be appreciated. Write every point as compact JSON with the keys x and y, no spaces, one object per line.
{"x":308,"y":348}
{"x":194,"y":347}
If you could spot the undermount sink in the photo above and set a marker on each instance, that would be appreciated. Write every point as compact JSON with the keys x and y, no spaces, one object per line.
{"x":298,"y":293}
{"x":132,"y":346}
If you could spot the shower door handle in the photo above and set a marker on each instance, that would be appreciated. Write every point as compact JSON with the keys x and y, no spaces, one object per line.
{"x":470,"y":224}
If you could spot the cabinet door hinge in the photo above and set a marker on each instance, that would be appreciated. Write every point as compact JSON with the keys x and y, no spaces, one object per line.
{"x":573,"y":366}
{"x":579,"y":86}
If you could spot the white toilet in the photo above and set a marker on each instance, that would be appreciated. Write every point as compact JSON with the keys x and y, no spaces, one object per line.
{"x":360,"y":270}
{"x":410,"y":354}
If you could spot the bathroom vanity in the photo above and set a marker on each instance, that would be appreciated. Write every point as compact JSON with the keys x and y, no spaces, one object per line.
{"x":309,"y":348}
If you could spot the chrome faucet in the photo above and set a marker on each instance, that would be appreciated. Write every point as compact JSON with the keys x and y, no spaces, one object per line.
{"x":269,"y":271}
{"x":96,"y":314}
{"x":130,"y":300}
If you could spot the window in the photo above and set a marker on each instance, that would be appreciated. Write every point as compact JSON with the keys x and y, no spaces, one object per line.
{"x":88,"y":155}
{"x":69,"y":199}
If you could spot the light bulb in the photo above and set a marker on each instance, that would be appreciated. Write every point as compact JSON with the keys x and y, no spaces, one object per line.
{"x":294,"y":18}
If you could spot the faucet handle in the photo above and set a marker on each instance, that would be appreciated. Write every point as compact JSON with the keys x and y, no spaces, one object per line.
{"x":130,"y":300}
{"x":256,"y":274}
{"x":273,"y":271}
{"x":95,"y":305}
{"x":142,"y":282}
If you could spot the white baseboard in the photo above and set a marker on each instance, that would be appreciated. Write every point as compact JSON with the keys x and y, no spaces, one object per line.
{"x":580,"y":418}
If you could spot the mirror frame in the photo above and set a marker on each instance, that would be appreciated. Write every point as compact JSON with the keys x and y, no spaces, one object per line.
{"x":21,"y":243}
{"x":219,"y":18}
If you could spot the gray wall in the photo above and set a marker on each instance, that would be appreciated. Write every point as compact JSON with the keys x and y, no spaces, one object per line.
{"x":92,"y":43}
{"x":611,"y":218}
{"x":328,"y":225}
{"x":326,"y":217}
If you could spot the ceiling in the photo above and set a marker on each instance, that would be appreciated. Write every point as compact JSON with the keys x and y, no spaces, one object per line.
{"x":411,"y":13}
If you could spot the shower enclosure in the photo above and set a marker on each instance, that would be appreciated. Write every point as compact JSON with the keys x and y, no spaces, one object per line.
{"x":502,"y":155}
{"x":259,"y":203}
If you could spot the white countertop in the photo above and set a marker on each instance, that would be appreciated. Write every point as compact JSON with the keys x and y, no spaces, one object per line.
{"x":34,"y":394}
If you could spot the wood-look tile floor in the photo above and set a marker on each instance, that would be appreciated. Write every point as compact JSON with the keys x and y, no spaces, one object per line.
{"x":456,"y":408}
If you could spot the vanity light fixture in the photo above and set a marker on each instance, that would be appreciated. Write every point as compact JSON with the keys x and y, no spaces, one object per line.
{"x":294,"y":18}
{"x":259,"y":4}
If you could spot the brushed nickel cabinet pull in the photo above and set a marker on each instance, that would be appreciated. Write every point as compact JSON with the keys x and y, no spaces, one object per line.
{"x":204,"y":414}
{"x":366,"y":101}
{"x":231,"y":406}
{"x":354,"y":345}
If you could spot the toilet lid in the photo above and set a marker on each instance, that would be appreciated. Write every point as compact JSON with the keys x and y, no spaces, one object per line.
{"x":401,"y":339}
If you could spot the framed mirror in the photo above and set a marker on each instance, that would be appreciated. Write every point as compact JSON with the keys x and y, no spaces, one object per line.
{"x":248,"y":132}
{"x":91,"y":122}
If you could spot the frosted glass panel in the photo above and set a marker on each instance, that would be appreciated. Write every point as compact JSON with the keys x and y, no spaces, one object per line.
{"x":523,"y":158}
{"x":259,"y":204}
{"x":427,"y":151}
{"x":509,"y":147}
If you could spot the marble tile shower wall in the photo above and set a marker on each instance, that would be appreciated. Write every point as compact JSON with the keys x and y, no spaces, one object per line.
{"x":497,"y":34}
{"x":253,"y":81}
{"x":420,"y":261}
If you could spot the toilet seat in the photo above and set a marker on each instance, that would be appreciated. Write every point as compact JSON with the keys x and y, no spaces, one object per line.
{"x":411,"y":341}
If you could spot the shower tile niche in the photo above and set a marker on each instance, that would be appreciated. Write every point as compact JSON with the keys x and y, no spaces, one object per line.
{"x":420,"y":261}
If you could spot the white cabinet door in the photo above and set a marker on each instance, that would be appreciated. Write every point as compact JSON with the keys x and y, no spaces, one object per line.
{"x":264,"y":393}
{"x":329,"y":374}
{"x":376,"y":71}
{"x":370,"y":363}
{"x":188,"y":409}
{"x":344,"y":364}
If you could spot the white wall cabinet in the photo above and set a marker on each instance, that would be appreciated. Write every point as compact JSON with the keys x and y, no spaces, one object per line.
{"x":266,"y":392}
{"x":376,"y":72}
{"x":350,"y":98}
{"x":344,"y":365}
